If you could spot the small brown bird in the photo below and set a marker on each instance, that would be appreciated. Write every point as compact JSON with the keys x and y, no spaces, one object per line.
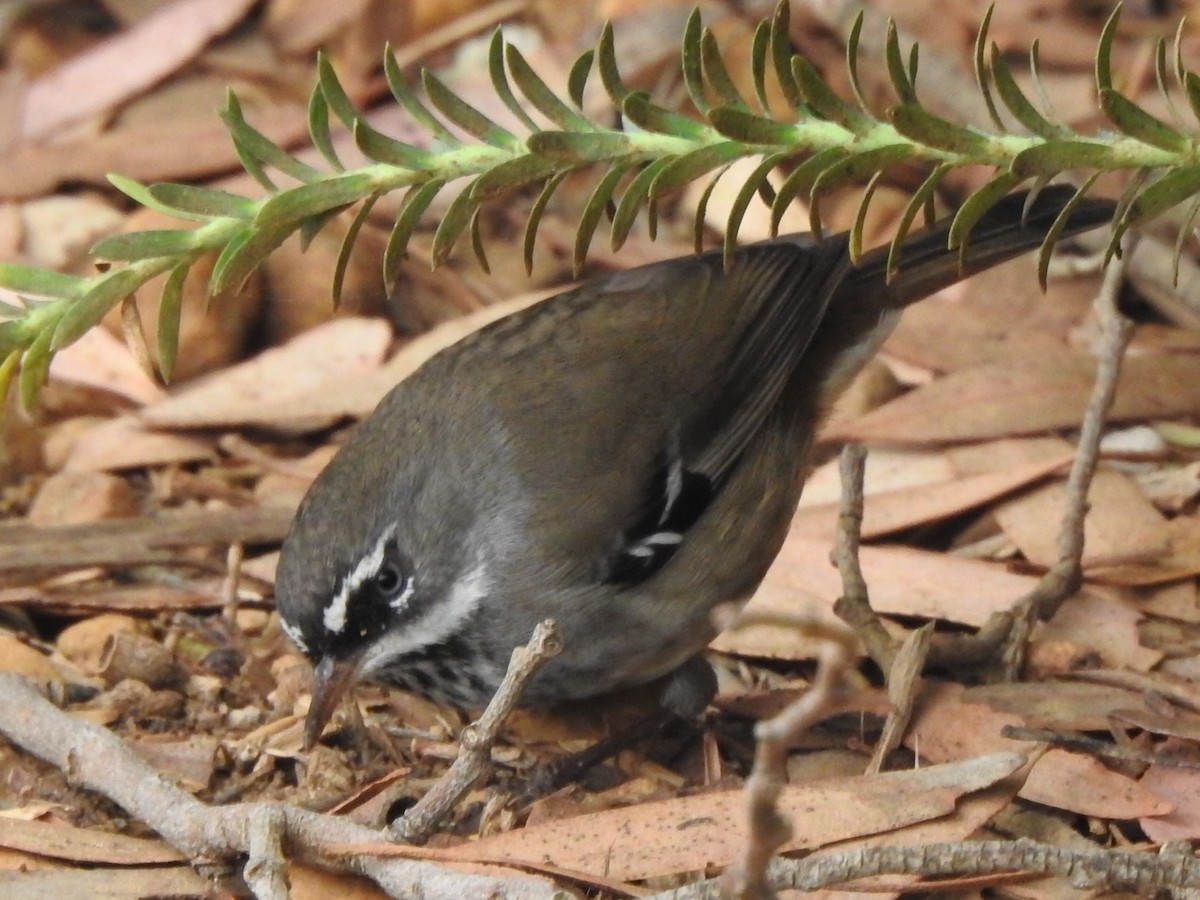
{"x":621,"y":458}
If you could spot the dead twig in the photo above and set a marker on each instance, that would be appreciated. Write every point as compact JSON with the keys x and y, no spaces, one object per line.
{"x":767,"y":830}
{"x":1011,"y":629}
{"x":98,"y":760}
{"x":1066,"y":577}
{"x":854,"y":606}
{"x":475,"y":743}
{"x":1141,"y":874}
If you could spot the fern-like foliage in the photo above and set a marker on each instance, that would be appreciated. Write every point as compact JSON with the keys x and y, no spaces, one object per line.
{"x":823,"y":140}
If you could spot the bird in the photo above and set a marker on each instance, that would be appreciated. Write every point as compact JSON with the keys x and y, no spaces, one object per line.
{"x":622,"y":458}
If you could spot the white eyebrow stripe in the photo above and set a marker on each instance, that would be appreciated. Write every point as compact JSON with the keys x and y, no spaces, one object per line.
{"x":338,"y":608}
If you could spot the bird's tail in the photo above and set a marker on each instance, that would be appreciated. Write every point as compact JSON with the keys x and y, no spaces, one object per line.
{"x":1005,"y":231}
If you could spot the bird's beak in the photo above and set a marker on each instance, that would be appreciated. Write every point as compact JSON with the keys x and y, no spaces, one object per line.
{"x":331,"y":680}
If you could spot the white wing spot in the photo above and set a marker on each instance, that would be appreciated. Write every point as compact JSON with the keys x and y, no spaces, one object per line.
{"x":664,"y":537}
{"x":674,"y":485}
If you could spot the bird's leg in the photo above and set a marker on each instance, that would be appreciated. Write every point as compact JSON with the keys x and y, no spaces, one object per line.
{"x":685,"y":695}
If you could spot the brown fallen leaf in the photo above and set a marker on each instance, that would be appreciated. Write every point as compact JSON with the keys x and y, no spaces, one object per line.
{"x":946,"y":727}
{"x":1180,"y":563}
{"x":271,"y":389}
{"x":1121,"y":524}
{"x":1045,"y":394}
{"x":100,"y":360}
{"x":1103,"y":624}
{"x":136,"y":152}
{"x":972,"y":813}
{"x":105,"y":883}
{"x":998,"y":316}
{"x":126,"y":443}
{"x":1058,"y":705}
{"x":887,"y":512}
{"x":687,"y":834}
{"x":125,"y":64}
{"x":1183,"y":787}
{"x":84,"y":844}
{"x":189,"y":762}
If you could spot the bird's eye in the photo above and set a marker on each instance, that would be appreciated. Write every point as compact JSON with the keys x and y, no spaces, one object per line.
{"x":389,"y":580}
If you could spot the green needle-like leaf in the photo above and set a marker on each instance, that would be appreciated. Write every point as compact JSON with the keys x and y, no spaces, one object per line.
{"x":416,"y":201}
{"x":781,"y":53}
{"x":685,"y":169}
{"x":741,"y":202}
{"x":477,"y":244}
{"x":1056,"y":229}
{"x":201,"y":202}
{"x":1170,"y":190}
{"x":1191,"y":87}
{"x":8,"y":368}
{"x":259,"y":147}
{"x":855,"y":168}
{"x":143,"y":196}
{"x":983,"y":76}
{"x":169,"y":310}
{"x":749,"y":128}
{"x":244,"y":254}
{"x":1104,"y":47}
{"x":87,"y":310}
{"x":924,"y":127}
{"x":572,"y":147}
{"x":852,"y":44}
{"x":467,"y":117}
{"x":535,"y":218}
{"x":1137,"y":123}
{"x":758,"y":64}
{"x":146,"y":245}
{"x":1016,"y":101}
{"x":606,"y":62}
{"x":800,"y":181}
{"x":716,"y":76}
{"x":920,"y":200}
{"x":35,"y":369}
{"x":855,"y":244}
{"x":593,"y":210}
{"x":499,"y":77}
{"x":414,"y":107}
{"x":347,"y":247}
{"x":1057,"y":156}
{"x":650,"y":117}
{"x":378,"y":146}
{"x":577,"y":78}
{"x":22,"y":279}
{"x":514,"y":174}
{"x":454,"y":222}
{"x":335,"y":95}
{"x":693,"y":63}
{"x":634,"y":198}
{"x":974,"y":207}
{"x":897,"y":71}
{"x":293,"y":206}
{"x":827,"y":104}
{"x":318,"y":128}
{"x":538,"y":93}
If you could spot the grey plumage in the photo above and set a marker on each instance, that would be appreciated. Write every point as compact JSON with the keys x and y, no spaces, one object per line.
{"x":525,"y":472}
